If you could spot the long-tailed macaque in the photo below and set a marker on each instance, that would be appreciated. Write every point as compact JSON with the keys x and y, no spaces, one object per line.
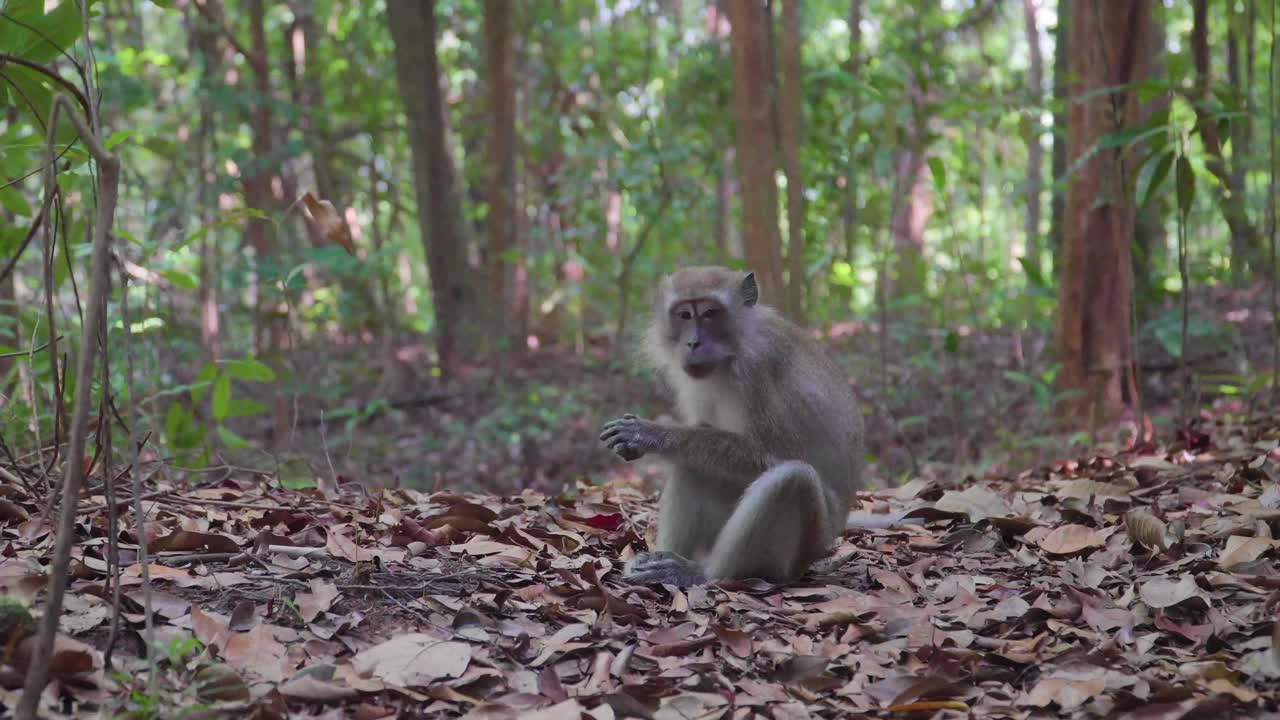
{"x":770,"y":452}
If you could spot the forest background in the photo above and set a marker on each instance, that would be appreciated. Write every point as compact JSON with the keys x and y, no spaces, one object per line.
{"x":413,"y":242}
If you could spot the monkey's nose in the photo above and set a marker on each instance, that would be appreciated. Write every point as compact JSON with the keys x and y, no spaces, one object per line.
{"x":693,"y":344}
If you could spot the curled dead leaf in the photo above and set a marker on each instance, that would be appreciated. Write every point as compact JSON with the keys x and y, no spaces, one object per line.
{"x":331,"y":222}
{"x":1146,"y":530}
{"x":220,"y":682}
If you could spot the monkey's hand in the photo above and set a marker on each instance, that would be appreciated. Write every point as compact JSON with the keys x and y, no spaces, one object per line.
{"x":659,"y":568}
{"x":632,"y":438}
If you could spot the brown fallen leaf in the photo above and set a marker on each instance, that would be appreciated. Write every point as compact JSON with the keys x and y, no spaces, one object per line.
{"x":1071,"y":539}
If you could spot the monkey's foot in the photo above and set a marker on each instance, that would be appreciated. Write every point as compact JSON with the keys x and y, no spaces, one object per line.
{"x":663,"y":568}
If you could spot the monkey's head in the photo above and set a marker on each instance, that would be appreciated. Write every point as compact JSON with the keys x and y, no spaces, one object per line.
{"x":699,"y":311}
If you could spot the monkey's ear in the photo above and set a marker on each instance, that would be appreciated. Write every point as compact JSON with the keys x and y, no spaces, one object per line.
{"x":749,"y":291}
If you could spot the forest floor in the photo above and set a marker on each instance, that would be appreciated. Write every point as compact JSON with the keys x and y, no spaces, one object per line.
{"x":1137,"y":584}
{"x":1132,"y":579}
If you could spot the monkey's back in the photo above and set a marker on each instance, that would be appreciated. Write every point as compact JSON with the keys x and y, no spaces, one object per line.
{"x":808,"y":411}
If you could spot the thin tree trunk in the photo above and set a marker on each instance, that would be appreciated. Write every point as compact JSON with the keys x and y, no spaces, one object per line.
{"x":1058,"y":163}
{"x":1095,"y":291}
{"x":849,"y":216}
{"x":1240,"y":75}
{"x":441,"y":221}
{"x":500,"y":76}
{"x":1234,"y":210}
{"x":1035,"y":152}
{"x":753,"y":109}
{"x":257,"y":190}
{"x":791,"y":115}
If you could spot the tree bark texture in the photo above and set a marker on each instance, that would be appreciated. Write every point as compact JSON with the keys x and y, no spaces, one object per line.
{"x":500,"y":75}
{"x":1107,"y":44}
{"x":437,"y":189}
{"x":791,"y":118}
{"x":753,"y":111}
{"x":1058,"y":159}
{"x":1035,"y":153}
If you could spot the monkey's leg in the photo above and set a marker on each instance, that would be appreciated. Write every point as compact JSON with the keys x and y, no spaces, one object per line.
{"x":778,"y":527}
{"x":689,"y":520}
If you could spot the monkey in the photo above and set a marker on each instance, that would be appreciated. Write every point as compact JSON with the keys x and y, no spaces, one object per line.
{"x":769,"y":450}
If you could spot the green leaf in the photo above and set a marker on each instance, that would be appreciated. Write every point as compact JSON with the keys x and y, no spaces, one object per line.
{"x":184,"y":280}
{"x":939,"y":173}
{"x":248,"y":369}
{"x":14,"y":202}
{"x":231,"y":218}
{"x":221,"y":398}
{"x":1186,"y":182}
{"x":244,"y":407}
{"x":231,"y":440}
{"x":117,"y":137}
{"x":206,"y":376}
{"x":28,"y":32}
{"x":1157,"y":177}
{"x":952,"y":343}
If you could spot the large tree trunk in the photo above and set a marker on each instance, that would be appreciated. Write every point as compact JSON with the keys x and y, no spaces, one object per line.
{"x":440,"y":217}
{"x":500,"y":76}
{"x":1095,"y":293}
{"x":1035,"y":153}
{"x":1058,"y":161}
{"x":791,"y":116}
{"x":753,"y":112}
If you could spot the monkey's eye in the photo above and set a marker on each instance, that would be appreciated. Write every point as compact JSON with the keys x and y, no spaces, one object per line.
{"x":710,"y":313}
{"x":684,"y":315}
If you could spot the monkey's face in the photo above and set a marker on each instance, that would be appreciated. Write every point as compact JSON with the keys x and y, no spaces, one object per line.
{"x":699,"y":330}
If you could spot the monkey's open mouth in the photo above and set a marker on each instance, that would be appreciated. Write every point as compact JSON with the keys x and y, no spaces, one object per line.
{"x":700,"y":370}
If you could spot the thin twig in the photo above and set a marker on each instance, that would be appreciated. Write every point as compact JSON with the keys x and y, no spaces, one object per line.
{"x":109,"y":177}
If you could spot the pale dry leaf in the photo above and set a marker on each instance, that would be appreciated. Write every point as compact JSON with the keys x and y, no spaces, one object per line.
{"x":1241,"y":549}
{"x":1146,"y":530}
{"x":1071,"y":539}
{"x":1092,"y":488}
{"x":570,"y":709}
{"x":977,"y":502}
{"x":1068,"y":693}
{"x":413,"y":660}
{"x":1162,"y":592}
{"x":258,"y":652}
{"x":320,"y":599}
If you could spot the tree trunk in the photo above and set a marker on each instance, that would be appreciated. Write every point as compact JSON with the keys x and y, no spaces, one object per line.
{"x":791,"y":116}
{"x":910,"y":221}
{"x":1150,"y":240}
{"x":1240,"y":74}
{"x":753,"y":112}
{"x":438,"y":193}
{"x":1094,"y":299}
{"x":273,"y":331}
{"x":1232,"y":204}
{"x":500,"y":77}
{"x":1058,"y":162}
{"x":849,"y":216}
{"x":1035,"y":153}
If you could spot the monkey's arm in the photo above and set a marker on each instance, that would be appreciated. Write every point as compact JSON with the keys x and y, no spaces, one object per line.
{"x":718,"y":456}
